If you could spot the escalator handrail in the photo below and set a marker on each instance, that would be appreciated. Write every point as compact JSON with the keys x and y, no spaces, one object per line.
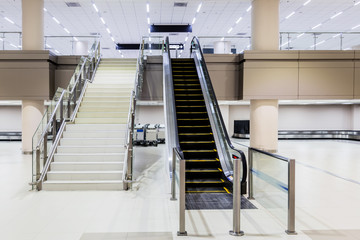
{"x":176,"y":138}
{"x":216,"y":106}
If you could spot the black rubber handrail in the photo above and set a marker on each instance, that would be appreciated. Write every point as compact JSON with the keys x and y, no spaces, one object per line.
{"x":216,"y":106}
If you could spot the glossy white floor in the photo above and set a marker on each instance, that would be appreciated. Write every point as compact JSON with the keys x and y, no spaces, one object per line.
{"x":327,"y":197}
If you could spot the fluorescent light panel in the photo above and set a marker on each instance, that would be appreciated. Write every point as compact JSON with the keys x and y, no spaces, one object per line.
{"x":307,"y":2}
{"x":289,"y":16}
{"x":66,"y":30}
{"x":199,"y":7}
{"x":102,"y":20}
{"x":108,"y":30}
{"x":148,"y":20}
{"x":229,"y":31}
{"x":317,"y":26}
{"x":96,"y":9}
{"x":57,"y":21}
{"x":147,"y":7}
{"x":193,"y":21}
{"x":238,"y":20}
{"x":9,"y":20}
{"x":249,"y":8}
{"x":339,"y":13}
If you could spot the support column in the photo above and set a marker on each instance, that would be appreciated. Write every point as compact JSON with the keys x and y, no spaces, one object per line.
{"x":32,"y":39}
{"x":265,"y":25}
{"x":33,"y":24}
{"x":31,"y":114}
{"x":264,"y":112}
{"x":264,"y":124}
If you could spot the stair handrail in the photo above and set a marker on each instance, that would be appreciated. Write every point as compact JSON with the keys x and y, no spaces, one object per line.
{"x":214,"y":109}
{"x":87,"y":68}
{"x":127,"y":176}
{"x":172,"y":141}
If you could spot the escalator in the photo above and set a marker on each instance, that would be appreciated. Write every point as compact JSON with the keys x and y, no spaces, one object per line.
{"x":198,"y":146}
{"x":204,"y":173}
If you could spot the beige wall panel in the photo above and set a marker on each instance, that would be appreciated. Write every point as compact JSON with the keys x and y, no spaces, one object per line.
{"x":62,"y":77}
{"x":226,"y":84}
{"x":326,"y":64}
{"x":321,"y":82}
{"x":271,"y":83}
{"x":24,"y":84}
{"x":221,"y":58}
{"x":271,"y":55}
{"x":270,"y":64}
{"x":357,"y":80}
{"x":321,"y":54}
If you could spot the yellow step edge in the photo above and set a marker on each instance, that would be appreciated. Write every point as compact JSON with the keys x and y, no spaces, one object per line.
{"x":215,"y":191}
{"x":195,"y":100}
{"x":203,"y":160}
{"x":193,"y":119}
{"x":227,"y":190}
{"x":185,"y":95}
{"x":201,"y":171}
{"x":192,"y":89}
{"x":190,"y":112}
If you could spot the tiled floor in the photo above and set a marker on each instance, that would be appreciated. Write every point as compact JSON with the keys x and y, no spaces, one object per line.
{"x":327,"y":197}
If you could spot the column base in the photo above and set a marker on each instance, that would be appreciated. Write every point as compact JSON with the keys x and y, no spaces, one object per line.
{"x":241,"y":233}
{"x":27,"y":152}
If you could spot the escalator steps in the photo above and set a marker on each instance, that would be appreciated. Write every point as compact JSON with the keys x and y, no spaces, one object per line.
{"x":203,"y":169}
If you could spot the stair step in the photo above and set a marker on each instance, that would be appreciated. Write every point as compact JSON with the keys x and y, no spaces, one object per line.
{"x":107,"y":98}
{"x":89,"y":157}
{"x":91,"y":149}
{"x":207,"y":190}
{"x":91,"y":141}
{"x":86,"y":166}
{"x":94,"y":134}
{"x":105,"y":104}
{"x":101,"y":120}
{"x":84,"y":114}
{"x":82,"y":185}
{"x":84,"y":175}
{"x":97,"y":127}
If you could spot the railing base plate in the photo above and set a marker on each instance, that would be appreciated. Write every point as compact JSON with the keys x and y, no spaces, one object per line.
{"x":182,"y":233}
{"x":241,"y":233}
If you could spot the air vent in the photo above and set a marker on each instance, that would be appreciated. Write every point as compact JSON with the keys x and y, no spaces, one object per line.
{"x":180,"y":4}
{"x":173,"y":34}
{"x":105,"y":48}
{"x":73,"y":4}
{"x":94,"y":34}
{"x":241,"y":34}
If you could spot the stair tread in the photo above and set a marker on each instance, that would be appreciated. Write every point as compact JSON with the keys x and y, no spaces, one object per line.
{"x":83,"y":181}
{"x":84,"y":172}
{"x":88,"y":154}
{"x":84,"y":163}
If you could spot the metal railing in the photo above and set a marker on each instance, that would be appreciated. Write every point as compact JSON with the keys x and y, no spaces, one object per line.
{"x":127,"y":177}
{"x":275,"y":175}
{"x":62,"y":109}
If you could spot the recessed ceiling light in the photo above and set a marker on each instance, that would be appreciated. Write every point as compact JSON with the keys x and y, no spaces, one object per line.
{"x":9,"y":20}
{"x":339,"y":13}
{"x":317,"y":26}
{"x":306,"y":3}
{"x":199,"y":7}
{"x":96,"y":9}
{"x":289,"y":16}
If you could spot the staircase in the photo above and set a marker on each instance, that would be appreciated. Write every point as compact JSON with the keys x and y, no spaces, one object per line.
{"x":203,"y":169}
{"x":90,"y":155}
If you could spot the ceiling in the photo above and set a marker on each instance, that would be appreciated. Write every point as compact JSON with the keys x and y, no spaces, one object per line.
{"x":127,"y":22}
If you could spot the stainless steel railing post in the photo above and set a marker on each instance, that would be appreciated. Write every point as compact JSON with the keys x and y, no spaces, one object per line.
{"x":251,"y":180}
{"x":38,"y":152}
{"x":291,"y":198}
{"x":236,"y":199}
{"x":173,"y":178}
{"x":182,"y":231}
{"x":45,"y":148}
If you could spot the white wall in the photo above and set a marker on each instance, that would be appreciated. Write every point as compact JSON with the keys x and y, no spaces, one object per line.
{"x":305,"y":117}
{"x":150,"y":114}
{"x":10,"y":118}
{"x":315,"y":117}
